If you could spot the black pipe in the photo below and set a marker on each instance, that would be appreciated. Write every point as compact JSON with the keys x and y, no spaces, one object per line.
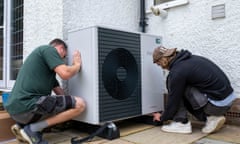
{"x":143,"y":18}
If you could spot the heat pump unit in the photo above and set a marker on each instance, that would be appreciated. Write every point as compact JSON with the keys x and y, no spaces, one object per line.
{"x":118,"y":79}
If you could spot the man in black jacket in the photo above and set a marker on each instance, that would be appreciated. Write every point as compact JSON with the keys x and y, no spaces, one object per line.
{"x":196,"y":85}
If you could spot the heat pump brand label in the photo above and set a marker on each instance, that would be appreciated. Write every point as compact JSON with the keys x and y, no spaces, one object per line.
{"x":158,"y":41}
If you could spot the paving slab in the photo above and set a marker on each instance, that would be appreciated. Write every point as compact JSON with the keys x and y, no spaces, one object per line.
{"x":137,"y":133}
{"x":129,"y":127}
{"x":116,"y":141}
{"x":229,"y":133}
{"x":12,"y":141}
{"x":56,"y":137}
{"x":211,"y":141}
{"x":156,"y":136}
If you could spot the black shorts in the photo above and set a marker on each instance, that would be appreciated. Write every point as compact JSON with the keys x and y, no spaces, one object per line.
{"x":46,"y":106}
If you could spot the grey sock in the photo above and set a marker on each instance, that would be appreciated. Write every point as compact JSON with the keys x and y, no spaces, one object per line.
{"x":38,"y":126}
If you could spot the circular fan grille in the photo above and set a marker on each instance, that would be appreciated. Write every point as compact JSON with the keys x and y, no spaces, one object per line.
{"x":120,"y":73}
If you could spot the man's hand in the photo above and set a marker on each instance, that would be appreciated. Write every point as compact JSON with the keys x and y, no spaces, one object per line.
{"x":66,"y":71}
{"x":156,"y":116}
{"x":77,"y":58}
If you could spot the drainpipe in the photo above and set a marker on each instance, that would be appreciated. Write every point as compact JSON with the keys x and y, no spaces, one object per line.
{"x":143,"y":18}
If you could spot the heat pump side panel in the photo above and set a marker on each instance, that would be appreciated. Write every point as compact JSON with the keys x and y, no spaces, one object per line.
{"x":152,"y":76}
{"x":84,"y":84}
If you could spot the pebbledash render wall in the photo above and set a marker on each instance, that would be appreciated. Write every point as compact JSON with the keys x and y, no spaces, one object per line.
{"x":43,"y":21}
{"x":185,"y":27}
{"x":191,"y":27}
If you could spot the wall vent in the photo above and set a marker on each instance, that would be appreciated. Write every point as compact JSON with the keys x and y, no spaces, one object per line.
{"x":218,"y":11}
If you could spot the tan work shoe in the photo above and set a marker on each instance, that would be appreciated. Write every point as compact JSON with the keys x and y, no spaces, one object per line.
{"x":213,"y":124}
{"x":16,"y":131}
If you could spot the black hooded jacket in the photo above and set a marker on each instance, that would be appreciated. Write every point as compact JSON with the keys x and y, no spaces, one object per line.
{"x":196,"y":71}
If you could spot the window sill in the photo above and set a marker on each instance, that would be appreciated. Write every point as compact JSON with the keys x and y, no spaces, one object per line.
{"x":169,"y":5}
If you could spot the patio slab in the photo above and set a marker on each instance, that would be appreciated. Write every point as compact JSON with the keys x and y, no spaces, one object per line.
{"x":137,"y":133}
{"x":155,"y":135}
{"x":229,"y":133}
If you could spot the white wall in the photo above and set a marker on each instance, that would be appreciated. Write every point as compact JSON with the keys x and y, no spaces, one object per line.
{"x":191,"y":27}
{"x":186,"y":27}
{"x":43,"y":21}
{"x":123,"y":14}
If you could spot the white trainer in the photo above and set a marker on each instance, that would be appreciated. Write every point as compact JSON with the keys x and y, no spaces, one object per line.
{"x":213,"y":124}
{"x":178,"y":127}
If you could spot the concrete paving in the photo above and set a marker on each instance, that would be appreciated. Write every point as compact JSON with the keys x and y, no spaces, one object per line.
{"x":136,"y":133}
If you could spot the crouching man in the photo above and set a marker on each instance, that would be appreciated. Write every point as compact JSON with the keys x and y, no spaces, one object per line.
{"x":31,"y":104}
{"x":196,"y":85}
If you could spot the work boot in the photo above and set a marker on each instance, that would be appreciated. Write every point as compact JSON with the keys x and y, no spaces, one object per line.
{"x":32,"y":137}
{"x":178,"y":127}
{"x":213,"y":124}
{"x":16,"y":131}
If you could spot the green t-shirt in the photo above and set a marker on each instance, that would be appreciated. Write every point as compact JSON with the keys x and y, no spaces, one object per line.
{"x":36,"y":78}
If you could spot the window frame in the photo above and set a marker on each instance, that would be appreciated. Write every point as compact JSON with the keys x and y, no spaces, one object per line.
{"x":6,"y":83}
{"x":172,"y":3}
{"x":166,"y":5}
{"x":6,"y":36}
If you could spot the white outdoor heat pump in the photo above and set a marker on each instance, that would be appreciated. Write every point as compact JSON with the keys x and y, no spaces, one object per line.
{"x":118,"y":79}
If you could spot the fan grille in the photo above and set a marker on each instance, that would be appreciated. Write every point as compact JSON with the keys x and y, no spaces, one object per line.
{"x":119,"y":74}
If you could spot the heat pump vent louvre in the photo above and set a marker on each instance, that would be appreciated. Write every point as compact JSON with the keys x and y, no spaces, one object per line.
{"x":118,"y":46}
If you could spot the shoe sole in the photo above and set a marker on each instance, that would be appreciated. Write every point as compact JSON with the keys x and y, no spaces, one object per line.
{"x":172,"y":131}
{"x":218,"y":126}
{"x":16,"y":131}
{"x":25,"y":136}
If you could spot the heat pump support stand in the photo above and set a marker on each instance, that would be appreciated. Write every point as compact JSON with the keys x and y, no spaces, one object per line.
{"x":146,"y":119}
{"x":110,"y":133}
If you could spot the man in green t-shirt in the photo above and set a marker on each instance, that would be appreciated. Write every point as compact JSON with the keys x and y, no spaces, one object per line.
{"x":31,"y":104}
